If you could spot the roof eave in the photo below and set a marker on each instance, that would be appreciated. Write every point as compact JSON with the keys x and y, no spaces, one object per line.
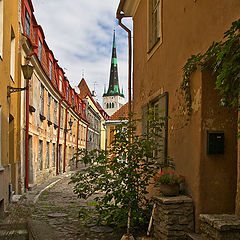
{"x":126,"y":8}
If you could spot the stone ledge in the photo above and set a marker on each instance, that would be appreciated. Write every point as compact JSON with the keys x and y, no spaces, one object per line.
{"x":221,"y":222}
{"x":170,"y":200}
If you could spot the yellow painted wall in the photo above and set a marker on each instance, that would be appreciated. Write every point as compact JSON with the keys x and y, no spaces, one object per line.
{"x":8,"y":105}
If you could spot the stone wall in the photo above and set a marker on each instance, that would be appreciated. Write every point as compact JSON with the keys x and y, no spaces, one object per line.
{"x":173,"y":217}
{"x":220,"y":227}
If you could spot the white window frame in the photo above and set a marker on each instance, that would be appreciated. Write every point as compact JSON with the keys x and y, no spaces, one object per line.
{"x":12,"y":55}
{"x":1,"y":29}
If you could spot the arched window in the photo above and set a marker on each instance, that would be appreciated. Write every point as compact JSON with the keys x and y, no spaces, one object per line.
{"x":107,"y":105}
{"x":112,"y":105}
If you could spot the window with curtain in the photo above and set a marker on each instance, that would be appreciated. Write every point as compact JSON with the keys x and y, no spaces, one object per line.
{"x":12,"y":56}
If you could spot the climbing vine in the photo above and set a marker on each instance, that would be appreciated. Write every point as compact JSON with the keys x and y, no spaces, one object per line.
{"x":223,"y":58}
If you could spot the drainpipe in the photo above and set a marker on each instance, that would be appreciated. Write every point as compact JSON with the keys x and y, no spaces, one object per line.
{"x":27,"y":128}
{"x":77,"y":142}
{"x":26,"y":138}
{"x":65,"y":140}
{"x":58,"y":136}
{"x":120,"y":16}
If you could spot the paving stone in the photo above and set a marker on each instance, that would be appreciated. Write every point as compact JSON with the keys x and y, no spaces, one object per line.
{"x":101,"y":229}
{"x":57,"y":215}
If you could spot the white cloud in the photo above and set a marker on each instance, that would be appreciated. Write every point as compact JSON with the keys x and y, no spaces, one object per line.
{"x":79,"y":32}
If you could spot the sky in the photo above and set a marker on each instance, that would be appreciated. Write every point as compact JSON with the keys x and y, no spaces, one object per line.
{"x":80,"y":34}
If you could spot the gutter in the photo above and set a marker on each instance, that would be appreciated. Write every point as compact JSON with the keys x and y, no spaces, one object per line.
{"x":119,"y":16}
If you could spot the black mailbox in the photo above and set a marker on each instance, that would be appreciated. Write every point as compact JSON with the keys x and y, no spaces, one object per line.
{"x":215,"y":142}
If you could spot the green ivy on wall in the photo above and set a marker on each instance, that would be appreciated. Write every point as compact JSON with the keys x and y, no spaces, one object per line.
{"x":223,"y":58}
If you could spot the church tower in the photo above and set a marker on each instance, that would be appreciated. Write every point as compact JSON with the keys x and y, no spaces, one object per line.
{"x":113,"y":99}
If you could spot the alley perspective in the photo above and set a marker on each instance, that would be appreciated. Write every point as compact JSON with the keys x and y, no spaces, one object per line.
{"x":119,"y":120}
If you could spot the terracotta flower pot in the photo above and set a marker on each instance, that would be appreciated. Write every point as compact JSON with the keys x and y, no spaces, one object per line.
{"x":169,"y":189}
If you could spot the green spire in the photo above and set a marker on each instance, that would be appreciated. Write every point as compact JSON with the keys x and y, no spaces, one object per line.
{"x":113,"y":88}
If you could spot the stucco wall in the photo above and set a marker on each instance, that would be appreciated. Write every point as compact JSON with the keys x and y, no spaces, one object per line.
{"x":188,"y":27}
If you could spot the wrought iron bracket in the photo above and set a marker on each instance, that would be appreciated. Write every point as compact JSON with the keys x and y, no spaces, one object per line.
{"x":11,"y":90}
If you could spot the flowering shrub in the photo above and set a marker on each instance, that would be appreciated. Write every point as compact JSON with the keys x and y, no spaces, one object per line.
{"x":168,"y":178}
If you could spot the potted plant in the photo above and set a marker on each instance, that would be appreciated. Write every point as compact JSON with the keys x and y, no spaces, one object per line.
{"x":169,"y":183}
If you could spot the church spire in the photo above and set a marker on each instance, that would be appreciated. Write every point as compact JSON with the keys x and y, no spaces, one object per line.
{"x":113,"y":88}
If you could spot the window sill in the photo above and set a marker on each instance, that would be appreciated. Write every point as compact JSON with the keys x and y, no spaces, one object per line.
{"x":152,"y":50}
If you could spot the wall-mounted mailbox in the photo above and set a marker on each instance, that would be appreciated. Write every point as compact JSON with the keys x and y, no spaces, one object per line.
{"x":215,"y":142}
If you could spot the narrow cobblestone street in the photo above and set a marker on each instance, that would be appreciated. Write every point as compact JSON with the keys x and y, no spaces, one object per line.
{"x":59,"y":207}
{"x":55,"y":210}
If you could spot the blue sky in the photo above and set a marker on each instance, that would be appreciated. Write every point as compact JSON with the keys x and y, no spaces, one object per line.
{"x":80,"y":32}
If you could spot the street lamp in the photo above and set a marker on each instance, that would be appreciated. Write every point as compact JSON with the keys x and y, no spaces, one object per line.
{"x":27,"y":73}
{"x":70,"y":125}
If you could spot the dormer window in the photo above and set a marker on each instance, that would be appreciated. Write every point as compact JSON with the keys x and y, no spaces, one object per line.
{"x":73,"y":100}
{"x":50,"y":69}
{"x":60,"y":83}
{"x":27,"y":22}
{"x":39,"y":50}
{"x":79,"y":107}
{"x":67,"y":93}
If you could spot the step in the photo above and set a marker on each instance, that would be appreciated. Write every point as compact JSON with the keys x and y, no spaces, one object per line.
{"x":193,"y":236}
{"x":20,"y":234}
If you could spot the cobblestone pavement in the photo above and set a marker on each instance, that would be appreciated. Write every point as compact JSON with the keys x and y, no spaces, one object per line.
{"x":59,"y":207}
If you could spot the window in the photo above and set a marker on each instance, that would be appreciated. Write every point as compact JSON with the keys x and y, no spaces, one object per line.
{"x":159,"y":106}
{"x":69,"y":154}
{"x":112,"y":105}
{"x":55,"y":107}
{"x":154,"y":19}
{"x":67,"y":92}
{"x":40,"y":155}
{"x":53,"y":154}
{"x":27,"y":22}
{"x":1,"y":28}
{"x":84,"y":112}
{"x":107,"y":105}
{"x":60,"y":83}
{"x":49,"y":108}
{"x":50,"y":69}
{"x":80,"y":108}
{"x":12,"y":57}
{"x":40,"y":50}
{"x":61,"y":121}
{"x":47,"y":155}
{"x":42,"y":100}
{"x":73,"y":100}
{"x":0,"y":135}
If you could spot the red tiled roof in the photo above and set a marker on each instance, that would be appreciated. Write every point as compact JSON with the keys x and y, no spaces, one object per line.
{"x":84,"y":89}
{"x":122,"y":112}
